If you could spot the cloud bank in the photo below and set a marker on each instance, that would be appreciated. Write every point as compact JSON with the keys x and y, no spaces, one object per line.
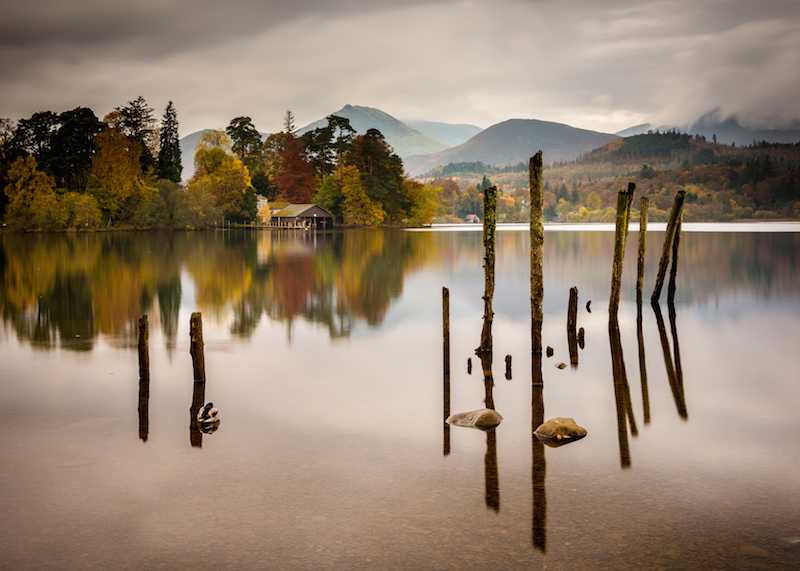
{"x":596,"y":64}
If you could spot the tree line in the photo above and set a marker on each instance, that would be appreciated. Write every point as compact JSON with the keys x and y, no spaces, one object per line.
{"x":72,"y":170}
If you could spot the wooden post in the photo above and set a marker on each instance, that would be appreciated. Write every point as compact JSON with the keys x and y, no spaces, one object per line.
{"x":624,"y":201}
{"x":446,"y":365}
{"x":572,"y":321}
{"x":144,"y":341}
{"x":669,"y":236}
{"x":537,"y":251}
{"x":489,"y":227}
{"x":642,"y":246}
{"x":196,"y":347}
{"x":673,"y":271}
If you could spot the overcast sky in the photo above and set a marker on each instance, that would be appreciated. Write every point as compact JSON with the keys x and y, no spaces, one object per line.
{"x":595,"y":64}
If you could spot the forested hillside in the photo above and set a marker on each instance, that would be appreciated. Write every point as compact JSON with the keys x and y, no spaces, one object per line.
{"x":723,"y":182}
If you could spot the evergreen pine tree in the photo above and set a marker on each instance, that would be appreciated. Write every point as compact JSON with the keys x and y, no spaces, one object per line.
{"x":169,"y":155}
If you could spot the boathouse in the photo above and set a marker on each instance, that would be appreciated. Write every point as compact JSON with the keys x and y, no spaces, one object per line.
{"x":301,"y":216}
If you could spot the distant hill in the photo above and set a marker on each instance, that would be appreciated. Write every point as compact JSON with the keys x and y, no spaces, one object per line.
{"x":731,"y":131}
{"x":445,"y":132}
{"x":637,"y":130}
{"x":728,"y":131}
{"x":514,"y":141}
{"x":404,"y":140}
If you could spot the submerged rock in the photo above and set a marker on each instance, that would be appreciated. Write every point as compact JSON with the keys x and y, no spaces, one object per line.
{"x":559,"y":431}
{"x":483,"y":419}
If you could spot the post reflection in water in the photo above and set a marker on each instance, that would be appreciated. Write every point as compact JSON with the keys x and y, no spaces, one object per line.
{"x":642,"y":364}
{"x":491,"y":476}
{"x":674,"y":371}
{"x":538,"y":464}
{"x":198,"y":400}
{"x":622,"y":395}
{"x":144,"y":408}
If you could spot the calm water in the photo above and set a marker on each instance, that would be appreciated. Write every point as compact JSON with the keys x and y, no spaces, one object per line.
{"x":324,"y":355}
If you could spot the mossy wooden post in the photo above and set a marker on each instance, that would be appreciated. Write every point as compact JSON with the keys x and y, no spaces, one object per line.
{"x":669,"y":236}
{"x":537,"y":247}
{"x":673,"y":271}
{"x":196,"y":347}
{"x":144,"y":341}
{"x":446,"y":365}
{"x":489,"y":227}
{"x":624,"y":201}
{"x":642,"y":247}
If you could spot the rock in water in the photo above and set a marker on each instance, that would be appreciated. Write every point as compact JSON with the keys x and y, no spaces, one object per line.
{"x":483,"y":419}
{"x":559,"y":431}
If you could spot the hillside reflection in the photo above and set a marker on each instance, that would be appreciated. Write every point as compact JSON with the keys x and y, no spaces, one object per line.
{"x":65,"y":290}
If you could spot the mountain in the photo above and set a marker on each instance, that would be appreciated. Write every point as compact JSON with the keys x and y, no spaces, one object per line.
{"x":445,"y":132}
{"x":727,"y":131}
{"x":405,"y":140}
{"x":731,"y":131}
{"x":514,"y":141}
{"x":637,"y":130}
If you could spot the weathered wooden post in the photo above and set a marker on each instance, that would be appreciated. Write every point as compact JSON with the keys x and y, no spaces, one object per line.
{"x":572,"y":322}
{"x":196,"y":347}
{"x":144,"y":341}
{"x":624,"y":201}
{"x":446,"y":365}
{"x":538,"y":467}
{"x":642,"y":245}
{"x":199,"y":372}
{"x":489,"y":228}
{"x":669,"y":236}
{"x":537,"y":251}
{"x":673,"y":271}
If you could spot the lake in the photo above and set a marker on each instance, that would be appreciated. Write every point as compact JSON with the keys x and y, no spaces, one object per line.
{"x":324,"y":356}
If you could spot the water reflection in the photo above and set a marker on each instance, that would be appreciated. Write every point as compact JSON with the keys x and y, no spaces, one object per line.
{"x":622,"y":395}
{"x":538,"y":462}
{"x":673,"y":365}
{"x":64,"y":290}
{"x":144,"y":408}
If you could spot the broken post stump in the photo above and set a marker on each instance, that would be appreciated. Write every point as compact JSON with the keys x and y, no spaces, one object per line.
{"x":196,"y":347}
{"x":624,"y":201}
{"x":669,"y":236}
{"x":642,"y":245}
{"x":489,"y":228}
{"x":572,"y":321}
{"x":537,"y":251}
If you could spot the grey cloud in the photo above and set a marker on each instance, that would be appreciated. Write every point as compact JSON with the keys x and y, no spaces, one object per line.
{"x":591,"y":63}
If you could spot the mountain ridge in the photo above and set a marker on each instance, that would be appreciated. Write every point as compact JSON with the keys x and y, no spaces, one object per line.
{"x":514,"y":141}
{"x":404,"y":140}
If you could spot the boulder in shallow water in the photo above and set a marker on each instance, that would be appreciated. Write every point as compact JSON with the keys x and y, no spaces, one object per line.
{"x":483,"y":419}
{"x":559,"y":431}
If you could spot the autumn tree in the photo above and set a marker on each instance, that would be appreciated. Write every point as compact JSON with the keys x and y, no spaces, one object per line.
{"x":425,"y":203}
{"x":295,"y":177}
{"x":116,"y":171}
{"x":169,"y":152}
{"x":29,"y":190}
{"x":358,"y":209}
{"x":219,"y":174}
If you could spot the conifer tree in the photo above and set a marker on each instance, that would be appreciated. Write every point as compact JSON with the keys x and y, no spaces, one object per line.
{"x":169,"y":154}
